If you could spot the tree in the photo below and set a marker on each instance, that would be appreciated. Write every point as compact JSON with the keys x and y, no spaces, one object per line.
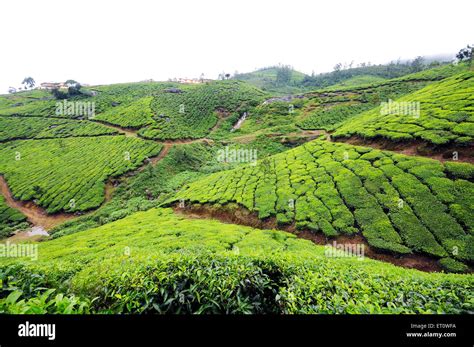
{"x":74,"y":89}
{"x":71,"y":83}
{"x":28,"y":82}
{"x":465,"y":54}
{"x":58,"y":94}
{"x":417,"y":64}
{"x":284,"y":74}
{"x":337,"y":67}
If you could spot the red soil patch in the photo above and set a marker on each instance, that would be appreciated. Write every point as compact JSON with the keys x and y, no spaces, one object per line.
{"x":415,"y":148}
{"x":242,"y":216}
{"x":35,"y":214}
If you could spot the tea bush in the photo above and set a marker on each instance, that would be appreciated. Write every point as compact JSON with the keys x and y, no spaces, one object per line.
{"x":160,"y":262}
{"x":399,"y":203}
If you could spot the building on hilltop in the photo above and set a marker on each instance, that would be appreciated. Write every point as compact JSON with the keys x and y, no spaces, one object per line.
{"x":52,"y":85}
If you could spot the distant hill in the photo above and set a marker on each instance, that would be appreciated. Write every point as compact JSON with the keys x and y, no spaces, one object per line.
{"x":283,"y":79}
{"x":276,"y":79}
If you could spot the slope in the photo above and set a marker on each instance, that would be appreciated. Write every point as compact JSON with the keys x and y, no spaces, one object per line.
{"x":400,"y":204}
{"x":158,"y":262}
{"x":440,"y":113}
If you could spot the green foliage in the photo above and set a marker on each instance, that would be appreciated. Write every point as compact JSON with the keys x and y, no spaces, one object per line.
{"x":70,"y":173}
{"x":12,"y":128}
{"x":192,"y":112}
{"x":10,"y":219}
{"x":444,"y":115}
{"x":159,"y":262}
{"x":130,"y":115}
{"x":327,"y":118}
{"x":43,"y":303}
{"x":276,"y":79}
{"x":453,"y":265}
{"x":460,"y":170}
{"x":399,"y":203}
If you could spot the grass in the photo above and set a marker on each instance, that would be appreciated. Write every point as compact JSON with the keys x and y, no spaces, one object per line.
{"x":158,"y":262}
{"x":398,"y":203}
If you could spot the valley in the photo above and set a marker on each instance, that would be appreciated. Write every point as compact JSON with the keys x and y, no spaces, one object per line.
{"x":145,"y":215}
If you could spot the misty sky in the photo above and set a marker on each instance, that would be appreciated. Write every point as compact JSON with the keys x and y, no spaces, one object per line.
{"x":99,"y":42}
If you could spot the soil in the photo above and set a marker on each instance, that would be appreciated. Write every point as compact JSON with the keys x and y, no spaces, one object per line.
{"x":415,"y":148}
{"x":35,"y":214}
{"x":243,"y":216}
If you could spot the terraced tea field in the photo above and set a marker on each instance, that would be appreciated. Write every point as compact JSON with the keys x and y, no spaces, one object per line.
{"x":158,"y":262}
{"x":445,"y":115}
{"x":132,"y":253}
{"x":329,"y":108}
{"x":13,"y":128}
{"x":400,"y":204}
{"x":191,"y":112}
{"x":69,"y":174}
{"x":130,"y":115}
{"x":10,"y":219}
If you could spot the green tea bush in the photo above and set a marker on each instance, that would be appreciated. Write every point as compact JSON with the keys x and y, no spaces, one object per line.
{"x":160,"y":262}
{"x":399,"y":203}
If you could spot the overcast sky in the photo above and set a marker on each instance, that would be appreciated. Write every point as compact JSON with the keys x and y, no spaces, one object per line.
{"x":99,"y":42}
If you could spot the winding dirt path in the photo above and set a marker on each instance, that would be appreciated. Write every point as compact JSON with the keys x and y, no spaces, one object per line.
{"x":127,"y":131}
{"x":35,"y":214}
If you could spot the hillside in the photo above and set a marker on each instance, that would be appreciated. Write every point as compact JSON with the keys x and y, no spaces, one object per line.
{"x":327,"y":109}
{"x":159,"y":110}
{"x":276,"y":79}
{"x":444,"y":114}
{"x":337,"y":189}
{"x":285,"y":80}
{"x":151,"y":209}
{"x":158,"y":262}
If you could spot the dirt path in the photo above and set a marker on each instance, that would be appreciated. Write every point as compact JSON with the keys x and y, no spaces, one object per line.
{"x":242,"y":216}
{"x":415,"y":148}
{"x":35,"y":214}
{"x":127,"y":131}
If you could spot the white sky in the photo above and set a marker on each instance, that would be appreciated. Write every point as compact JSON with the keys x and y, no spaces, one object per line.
{"x":99,"y":42}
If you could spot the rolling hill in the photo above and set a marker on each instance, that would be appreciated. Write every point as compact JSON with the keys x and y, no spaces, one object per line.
{"x":143,"y":179}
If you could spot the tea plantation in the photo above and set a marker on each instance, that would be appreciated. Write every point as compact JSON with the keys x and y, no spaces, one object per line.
{"x":329,"y":108}
{"x":191,"y":112}
{"x":445,"y":115}
{"x":400,"y":204}
{"x":10,"y":219}
{"x":158,"y":262}
{"x":12,"y":128}
{"x":69,"y":174}
{"x":131,"y":253}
